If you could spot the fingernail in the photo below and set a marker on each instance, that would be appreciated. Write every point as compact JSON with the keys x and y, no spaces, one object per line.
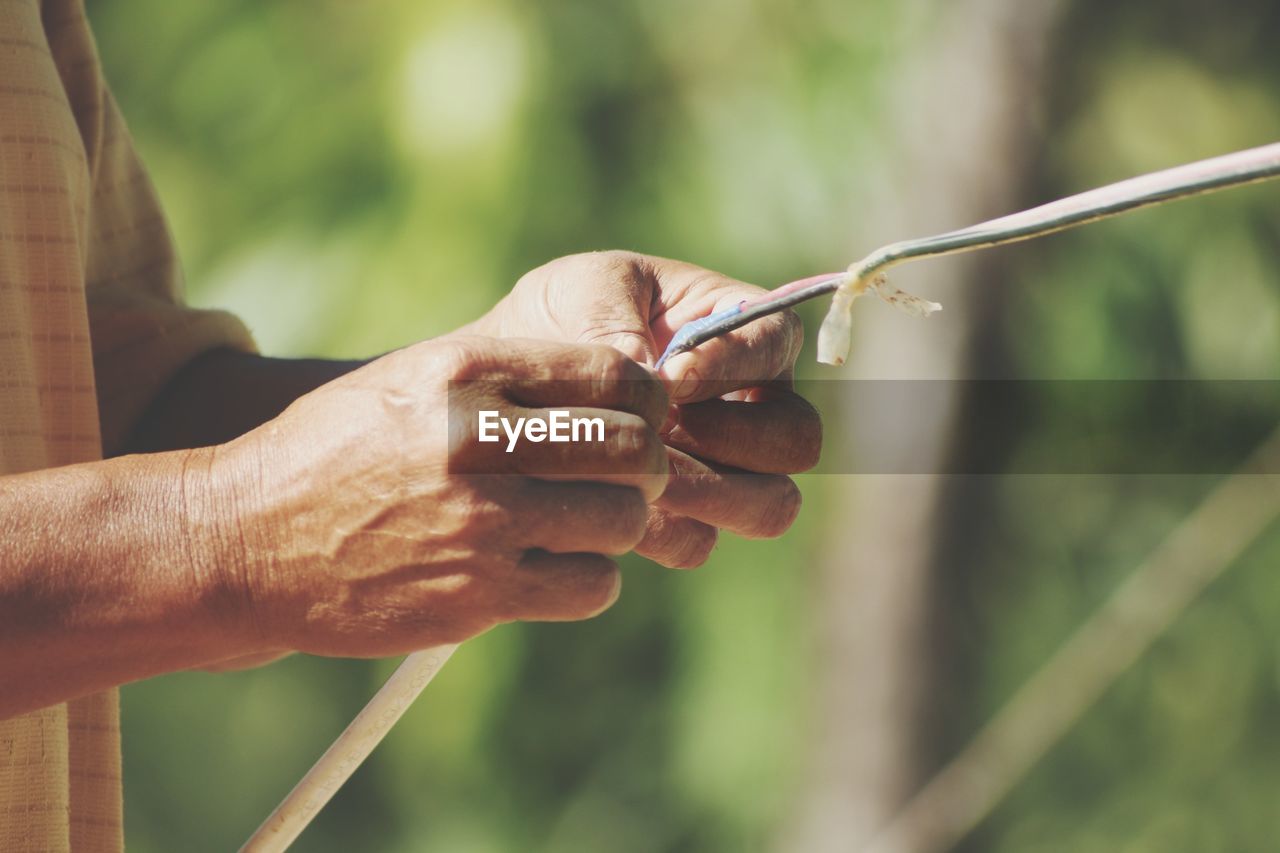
{"x":687,"y":386}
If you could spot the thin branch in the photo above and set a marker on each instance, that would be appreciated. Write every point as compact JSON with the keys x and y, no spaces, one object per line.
{"x":348,"y":752}
{"x":1204,"y":176}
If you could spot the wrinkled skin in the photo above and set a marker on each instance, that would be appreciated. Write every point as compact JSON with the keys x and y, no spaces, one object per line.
{"x":736,"y":427}
{"x":384,"y":532}
{"x":277,"y":505}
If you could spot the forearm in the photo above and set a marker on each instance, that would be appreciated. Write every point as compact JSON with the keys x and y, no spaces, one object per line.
{"x":115,"y":571}
{"x":224,"y":394}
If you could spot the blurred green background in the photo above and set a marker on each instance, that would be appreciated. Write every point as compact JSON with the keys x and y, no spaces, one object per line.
{"x":350,"y":177}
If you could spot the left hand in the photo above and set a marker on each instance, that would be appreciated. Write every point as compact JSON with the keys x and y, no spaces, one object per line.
{"x":736,"y":427}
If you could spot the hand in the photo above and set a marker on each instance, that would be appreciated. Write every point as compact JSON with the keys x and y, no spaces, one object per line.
{"x":737,"y":428}
{"x":371,"y":522}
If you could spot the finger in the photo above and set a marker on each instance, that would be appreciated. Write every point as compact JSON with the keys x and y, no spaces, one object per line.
{"x":601,"y":298}
{"x":538,"y":373}
{"x":784,"y":381}
{"x":597,"y":445}
{"x":757,"y":506}
{"x":746,"y":356}
{"x":757,"y":352}
{"x":589,"y":517}
{"x":773,"y":431}
{"x":562,"y":587}
{"x":676,"y":541}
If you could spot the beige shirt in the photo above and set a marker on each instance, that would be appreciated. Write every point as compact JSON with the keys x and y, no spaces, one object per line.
{"x":91,"y":326}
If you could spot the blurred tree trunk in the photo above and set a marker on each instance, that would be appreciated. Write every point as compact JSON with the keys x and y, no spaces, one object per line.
{"x":962,"y":122}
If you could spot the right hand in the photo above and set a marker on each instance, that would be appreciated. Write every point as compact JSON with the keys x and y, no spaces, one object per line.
{"x":366,"y":529}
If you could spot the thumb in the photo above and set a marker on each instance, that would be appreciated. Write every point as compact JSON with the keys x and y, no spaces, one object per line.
{"x":617,"y":310}
{"x":634,"y":344}
{"x":601,"y":298}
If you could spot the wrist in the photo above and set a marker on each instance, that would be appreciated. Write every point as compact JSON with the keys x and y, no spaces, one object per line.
{"x":218,"y":486}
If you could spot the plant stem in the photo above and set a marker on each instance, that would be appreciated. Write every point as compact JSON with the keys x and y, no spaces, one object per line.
{"x":1204,"y":176}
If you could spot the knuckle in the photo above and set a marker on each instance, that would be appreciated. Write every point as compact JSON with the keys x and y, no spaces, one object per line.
{"x":473,"y":512}
{"x":617,"y":264}
{"x":465,"y":453}
{"x":604,"y":265}
{"x":610,"y":368}
{"x":639,"y":449}
{"x":460,"y":359}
